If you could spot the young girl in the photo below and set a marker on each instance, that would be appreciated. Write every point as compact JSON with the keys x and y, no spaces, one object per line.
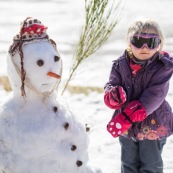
{"x":137,"y":87}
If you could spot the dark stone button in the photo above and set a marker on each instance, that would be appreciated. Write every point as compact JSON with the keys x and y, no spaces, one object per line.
{"x":55,"y":109}
{"x":79,"y":163}
{"x":73,"y":147}
{"x":66,"y":126}
{"x":87,"y":128}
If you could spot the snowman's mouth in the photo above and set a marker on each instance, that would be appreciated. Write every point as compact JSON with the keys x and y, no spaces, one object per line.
{"x":47,"y":84}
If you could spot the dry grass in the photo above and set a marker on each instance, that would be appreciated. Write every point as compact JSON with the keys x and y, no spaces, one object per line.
{"x":84,"y":89}
{"x":4,"y":81}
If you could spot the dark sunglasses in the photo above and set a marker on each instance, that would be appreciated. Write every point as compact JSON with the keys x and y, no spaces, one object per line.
{"x":152,"y":41}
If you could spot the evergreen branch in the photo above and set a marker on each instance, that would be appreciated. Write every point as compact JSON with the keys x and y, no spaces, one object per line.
{"x":100,"y":20}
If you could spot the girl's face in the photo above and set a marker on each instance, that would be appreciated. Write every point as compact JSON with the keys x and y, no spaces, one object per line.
{"x":144,"y":53}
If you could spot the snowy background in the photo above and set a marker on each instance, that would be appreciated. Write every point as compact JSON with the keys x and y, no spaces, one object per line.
{"x":64,"y":19}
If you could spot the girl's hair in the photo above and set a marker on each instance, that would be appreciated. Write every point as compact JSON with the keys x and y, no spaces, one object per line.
{"x":143,"y":25}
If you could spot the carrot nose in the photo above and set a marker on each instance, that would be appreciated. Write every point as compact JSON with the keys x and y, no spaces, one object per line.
{"x":54,"y":75}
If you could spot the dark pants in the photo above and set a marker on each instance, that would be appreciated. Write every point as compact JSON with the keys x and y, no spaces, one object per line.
{"x":141,"y":156}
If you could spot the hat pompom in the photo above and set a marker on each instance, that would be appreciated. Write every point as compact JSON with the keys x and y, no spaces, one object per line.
{"x":31,"y":29}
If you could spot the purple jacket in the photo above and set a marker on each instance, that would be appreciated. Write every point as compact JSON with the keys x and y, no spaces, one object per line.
{"x":150,"y":86}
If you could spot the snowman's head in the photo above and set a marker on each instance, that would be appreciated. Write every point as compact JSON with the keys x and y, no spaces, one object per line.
{"x":34,"y":63}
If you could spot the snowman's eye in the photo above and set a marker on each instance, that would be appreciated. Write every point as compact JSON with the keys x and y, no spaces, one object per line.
{"x":40,"y":62}
{"x":56,"y":58}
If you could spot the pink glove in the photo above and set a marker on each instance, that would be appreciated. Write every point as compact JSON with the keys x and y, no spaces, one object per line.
{"x":134,"y":112}
{"x":118,"y":125}
{"x":115,"y":97}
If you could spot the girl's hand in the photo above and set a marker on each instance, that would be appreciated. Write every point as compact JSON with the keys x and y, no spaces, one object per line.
{"x":134,"y":112}
{"x":115,"y":97}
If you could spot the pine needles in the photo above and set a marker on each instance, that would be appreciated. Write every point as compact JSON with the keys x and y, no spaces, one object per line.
{"x":100,"y":19}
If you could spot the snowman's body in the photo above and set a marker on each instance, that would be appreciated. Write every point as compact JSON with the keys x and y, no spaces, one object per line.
{"x":35,"y":138}
{"x":38,"y":133}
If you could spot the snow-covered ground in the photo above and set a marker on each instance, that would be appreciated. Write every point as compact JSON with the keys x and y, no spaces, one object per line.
{"x":64,"y":19}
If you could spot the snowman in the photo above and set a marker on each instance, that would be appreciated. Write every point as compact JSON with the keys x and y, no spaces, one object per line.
{"x":38,"y":134}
